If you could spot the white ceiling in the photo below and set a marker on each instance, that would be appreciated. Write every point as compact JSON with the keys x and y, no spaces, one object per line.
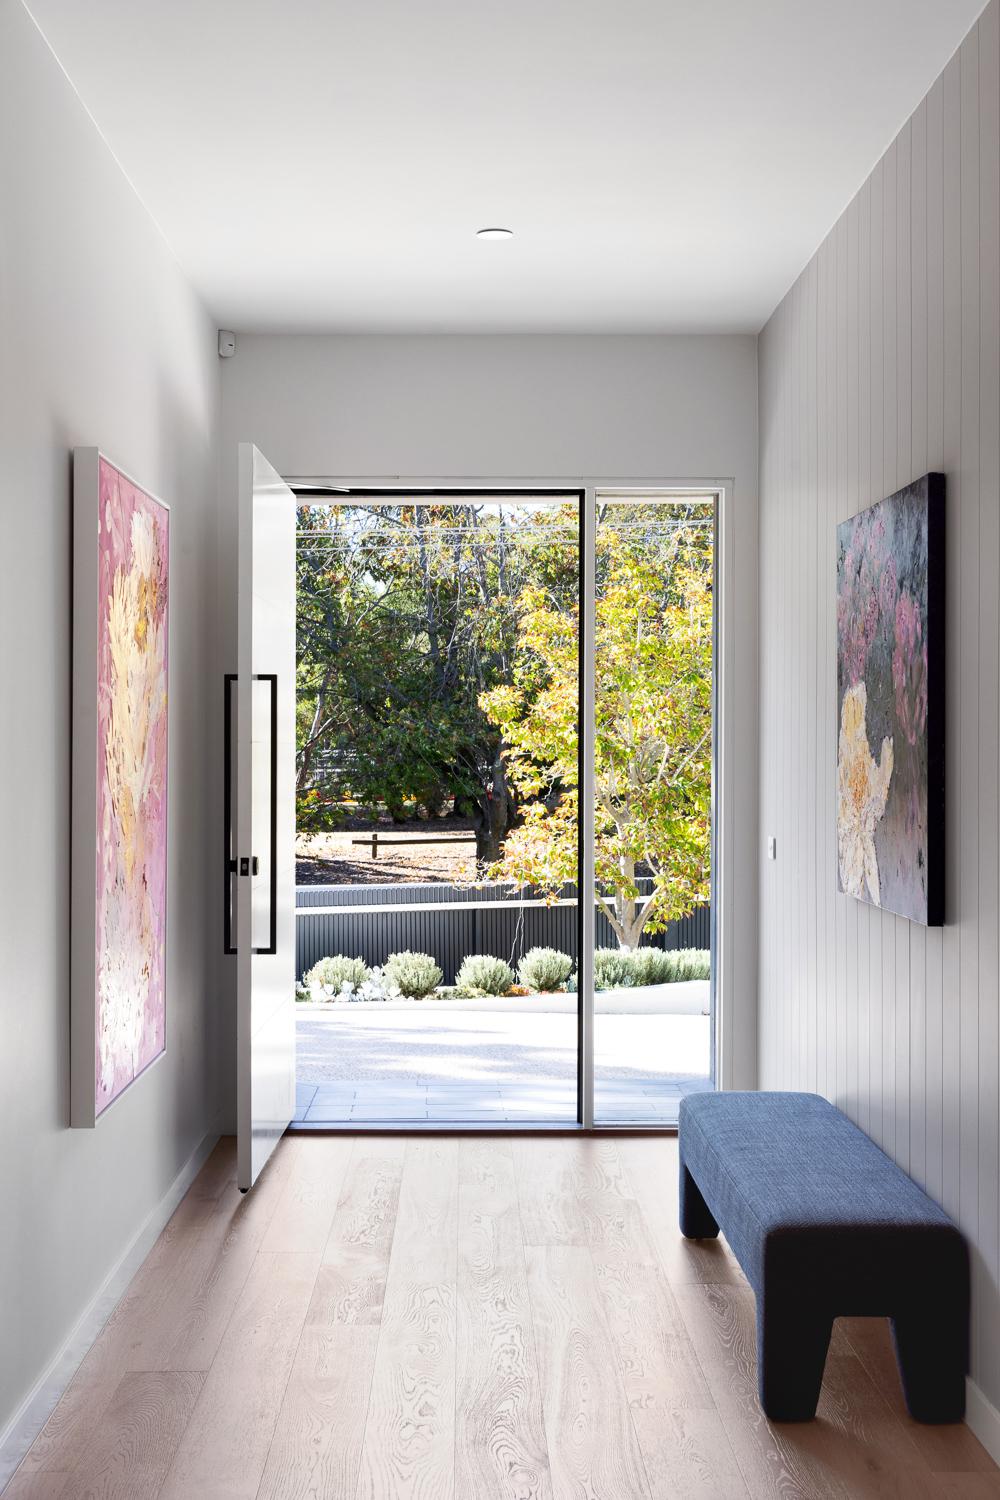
{"x":665,"y":164}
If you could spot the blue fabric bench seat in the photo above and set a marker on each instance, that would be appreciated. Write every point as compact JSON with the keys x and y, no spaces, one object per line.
{"x":825,"y":1226}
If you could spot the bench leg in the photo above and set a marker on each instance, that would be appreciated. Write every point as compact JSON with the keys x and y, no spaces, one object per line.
{"x":932,"y":1357}
{"x":697,"y":1222}
{"x":791,"y":1352}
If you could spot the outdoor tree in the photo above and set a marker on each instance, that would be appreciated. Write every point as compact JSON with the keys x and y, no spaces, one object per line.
{"x":653,"y":746}
{"x":407,"y":614}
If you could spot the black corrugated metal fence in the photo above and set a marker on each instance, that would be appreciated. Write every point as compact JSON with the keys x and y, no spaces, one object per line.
{"x":372,"y":921}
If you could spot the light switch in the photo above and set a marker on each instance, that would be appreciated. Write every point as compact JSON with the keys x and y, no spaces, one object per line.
{"x":772,"y":847}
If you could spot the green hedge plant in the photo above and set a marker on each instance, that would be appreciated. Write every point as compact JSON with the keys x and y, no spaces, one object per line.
{"x":416,"y":974}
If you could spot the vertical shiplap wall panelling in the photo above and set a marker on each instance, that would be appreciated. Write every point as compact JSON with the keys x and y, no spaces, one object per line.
{"x":889,"y":471}
{"x":835,"y":503}
{"x":835,"y":956}
{"x":811,"y":320}
{"x":805,"y":377}
{"x":845,"y":998}
{"x":877,"y":466}
{"x":934,"y":1079}
{"x":834,"y":507}
{"x":952,"y":326}
{"x":850,"y":495}
{"x":788,"y":684}
{"x":970,"y":679}
{"x":917,"y":464}
{"x":765,"y":796}
{"x":902,"y":1003}
{"x":799,"y":569}
{"x":792,"y":686}
{"x":825,"y":944}
{"x":989,"y":622}
{"x":883,"y":362}
{"x":864,"y":496}
{"x":828,"y":508}
{"x":784,"y":597}
{"x":778,"y":613}
{"x":768,"y":1027}
{"x":791,"y":681}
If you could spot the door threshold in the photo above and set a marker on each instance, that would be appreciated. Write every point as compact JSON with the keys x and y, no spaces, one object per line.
{"x":450,"y":1127}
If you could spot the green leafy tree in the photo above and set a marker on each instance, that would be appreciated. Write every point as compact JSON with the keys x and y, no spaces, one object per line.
{"x":653,"y":746}
{"x":407,"y":614}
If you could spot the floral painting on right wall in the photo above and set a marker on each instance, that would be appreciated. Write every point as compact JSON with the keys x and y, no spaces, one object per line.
{"x":890,"y":700}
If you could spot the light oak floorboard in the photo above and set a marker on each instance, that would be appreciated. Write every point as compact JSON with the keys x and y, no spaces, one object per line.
{"x":651,"y":1166}
{"x":681,"y":1435}
{"x":219,"y":1170}
{"x":500,"y":1447}
{"x":351,"y":1283}
{"x":409,"y":1442}
{"x":127,"y":1456}
{"x":473,"y":1319}
{"x":220,"y":1266}
{"x":945,"y":1449}
{"x":592,"y":1444}
{"x":36,"y":1484}
{"x":304,"y":1213}
{"x":315,"y":1453}
{"x":968,"y":1486}
{"x":856,"y":1447}
{"x":316,"y":1450}
{"x":223,"y":1451}
{"x":123,"y":1339}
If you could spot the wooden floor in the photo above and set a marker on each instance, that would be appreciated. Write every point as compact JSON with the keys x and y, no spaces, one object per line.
{"x":461,"y":1319}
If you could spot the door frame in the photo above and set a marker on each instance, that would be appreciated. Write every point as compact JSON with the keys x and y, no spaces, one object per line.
{"x":727,"y":1066}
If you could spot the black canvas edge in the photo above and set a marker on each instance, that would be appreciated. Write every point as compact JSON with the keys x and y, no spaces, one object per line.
{"x":934,"y":484}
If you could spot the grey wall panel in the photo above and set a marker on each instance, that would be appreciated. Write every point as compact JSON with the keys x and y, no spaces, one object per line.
{"x":103,"y":342}
{"x":882,"y":362}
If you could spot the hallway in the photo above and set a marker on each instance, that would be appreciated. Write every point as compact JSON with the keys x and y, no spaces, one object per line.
{"x":458,"y":1318}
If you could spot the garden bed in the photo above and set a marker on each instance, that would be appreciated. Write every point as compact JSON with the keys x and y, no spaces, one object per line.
{"x":686,"y":998}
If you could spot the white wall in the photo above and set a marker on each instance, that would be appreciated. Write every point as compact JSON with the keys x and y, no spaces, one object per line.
{"x":589,"y":408}
{"x":101,"y":342}
{"x":884,"y":362}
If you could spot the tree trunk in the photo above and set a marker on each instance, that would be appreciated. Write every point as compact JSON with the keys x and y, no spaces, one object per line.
{"x":493,"y":816}
{"x":627,"y":917}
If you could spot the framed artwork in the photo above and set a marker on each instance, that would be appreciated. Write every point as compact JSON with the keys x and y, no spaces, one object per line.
{"x":890,"y":702}
{"x":121,"y":577}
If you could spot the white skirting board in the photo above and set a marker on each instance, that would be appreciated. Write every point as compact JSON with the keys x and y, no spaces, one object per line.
{"x":27,"y":1422}
{"x":983,"y":1419}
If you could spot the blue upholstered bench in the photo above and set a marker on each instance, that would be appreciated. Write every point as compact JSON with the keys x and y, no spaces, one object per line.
{"x":825,"y":1226}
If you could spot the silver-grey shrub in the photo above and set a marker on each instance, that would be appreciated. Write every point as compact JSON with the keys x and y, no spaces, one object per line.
{"x":616,"y":968}
{"x":656,"y":966}
{"x":692,"y":963}
{"x":334,"y":973}
{"x":613,"y":968}
{"x":544,"y":969}
{"x":416,"y":974}
{"x":481,"y":974}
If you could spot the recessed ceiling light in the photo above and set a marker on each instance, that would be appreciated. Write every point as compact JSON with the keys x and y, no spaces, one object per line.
{"x":494,"y":233}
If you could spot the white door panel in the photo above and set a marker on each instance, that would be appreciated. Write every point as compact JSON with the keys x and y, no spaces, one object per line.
{"x":264,"y":813}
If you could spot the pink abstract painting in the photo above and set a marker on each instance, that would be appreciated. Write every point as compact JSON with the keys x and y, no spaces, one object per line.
{"x":131,"y":783}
